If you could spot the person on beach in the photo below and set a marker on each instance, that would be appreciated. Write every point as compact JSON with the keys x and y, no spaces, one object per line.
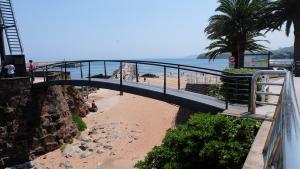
{"x":93,"y":107}
{"x":10,"y":70}
{"x":94,"y":104}
{"x":32,"y":68}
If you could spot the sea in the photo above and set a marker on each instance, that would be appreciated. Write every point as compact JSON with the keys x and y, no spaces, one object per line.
{"x":98,"y":67}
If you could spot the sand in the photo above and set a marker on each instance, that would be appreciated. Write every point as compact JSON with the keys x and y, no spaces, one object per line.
{"x":132,"y":125}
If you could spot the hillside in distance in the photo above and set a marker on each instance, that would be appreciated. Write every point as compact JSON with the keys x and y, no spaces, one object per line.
{"x":281,"y":53}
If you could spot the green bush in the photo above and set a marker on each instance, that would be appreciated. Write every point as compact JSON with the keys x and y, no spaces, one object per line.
{"x":79,"y":122}
{"x":216,"y":90}
{"x":240,"y":71}
{"x":206,"y":141}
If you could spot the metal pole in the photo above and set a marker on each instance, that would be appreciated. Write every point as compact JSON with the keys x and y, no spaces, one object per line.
{"x":226,"y":95}
{"x":165,"y":80}
{"x":105,"y":73}
{"x":46,"y":73}
{"x":249,"y":92}
{"x":269,"y":56}
{"x":136,"y":72}
{"x":81,"y":73}
{"x":121,"y":79}
{"x":178,"y":77}
{"x":89,"y":70}
{"x":65,"y":70}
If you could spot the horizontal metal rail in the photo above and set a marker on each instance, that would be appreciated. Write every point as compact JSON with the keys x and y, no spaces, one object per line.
{"x":282,"y":148}
{"x":267,"y":93}
{"x":252,"y":107}
{"x":231,"y":82}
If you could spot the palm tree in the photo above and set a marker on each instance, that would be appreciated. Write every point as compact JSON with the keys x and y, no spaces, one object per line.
{"x":287,"y":12}
{"x":225,"y":45}
{"x":235,"y":28}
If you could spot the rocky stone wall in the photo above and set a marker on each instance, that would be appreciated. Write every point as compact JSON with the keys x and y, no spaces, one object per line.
{"x":35,"y":121}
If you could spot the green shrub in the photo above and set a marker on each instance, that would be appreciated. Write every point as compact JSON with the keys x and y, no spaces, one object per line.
{"x":205,"y":141}
{"x":240,"y":71}
{"x":216,"y":90}
{"x":79,"y":122}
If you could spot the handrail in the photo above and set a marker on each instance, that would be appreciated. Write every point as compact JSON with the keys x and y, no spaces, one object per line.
{"x":161,"y":64}
{"x":282,"y":148}
{"x":252,"y":107}
{"x":231,"y":78}
{"x":154,"y":63}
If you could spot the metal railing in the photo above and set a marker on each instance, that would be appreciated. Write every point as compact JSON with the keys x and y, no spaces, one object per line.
{"x":254,"y":86}
{"x":282,"y":147}
{"x":166,"y":75}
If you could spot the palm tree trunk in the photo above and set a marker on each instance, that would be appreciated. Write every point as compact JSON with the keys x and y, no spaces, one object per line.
{"x":241,"y":50}
{"x":297,"y":46}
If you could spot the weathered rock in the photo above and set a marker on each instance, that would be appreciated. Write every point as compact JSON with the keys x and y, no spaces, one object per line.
{"x":109,"y":147}
{"x":69,"y":151}
{"x":34,"y":121}
{"x":85,"y":154}
{"x":97,"y":167}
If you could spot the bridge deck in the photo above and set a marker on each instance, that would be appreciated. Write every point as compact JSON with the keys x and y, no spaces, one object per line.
{"x":183,"y":98}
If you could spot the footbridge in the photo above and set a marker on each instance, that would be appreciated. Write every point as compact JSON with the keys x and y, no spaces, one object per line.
{"x":187,"y":86}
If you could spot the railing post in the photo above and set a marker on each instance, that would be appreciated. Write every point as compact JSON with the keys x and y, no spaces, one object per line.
{"x":81,"y":73}
{"x":121,"y":78}
{"x":105,"y":73}
{"x":136,"y":72}
{"x":65,"y":70}
{"x":89,"y":70}
{"x":226,"y":94}
{"x":46,"y":73}
{"x":165,"y":79}
{"x":178,"y":71}
{"x":249,"y":92}
{"x":253,"y":96}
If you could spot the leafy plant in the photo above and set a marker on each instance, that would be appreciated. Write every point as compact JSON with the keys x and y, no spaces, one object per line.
{"x":216,"y":90}
{"x":205,"y":141}
{"x":79,"y":122}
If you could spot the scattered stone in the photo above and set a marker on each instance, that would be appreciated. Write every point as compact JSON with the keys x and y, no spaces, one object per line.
{"x":97,"y":140}
{"x":85,"y":154}
{"x":83,"y":146}
{"x":112,"y":153}
{"x":97,"y":167}
{"x":69,"y":151}
{"x":66,"y":164}
{"x":99,"y":151}
{"x":99,"y":144}
{"x":87,"y":140}
{"x":109,"y":147}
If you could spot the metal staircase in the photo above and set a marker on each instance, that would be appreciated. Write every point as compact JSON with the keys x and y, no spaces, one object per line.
{"x":8,"y":23}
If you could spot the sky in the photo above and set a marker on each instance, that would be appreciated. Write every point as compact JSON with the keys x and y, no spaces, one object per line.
{"x":118,"y":29}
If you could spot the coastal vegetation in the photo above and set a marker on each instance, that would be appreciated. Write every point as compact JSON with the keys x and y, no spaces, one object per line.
{"x":79,"y":122}
{"x":235,"y":29}
{"x":209,"y":141}
{"x":286,"y":12}
{"x":238,"y":24}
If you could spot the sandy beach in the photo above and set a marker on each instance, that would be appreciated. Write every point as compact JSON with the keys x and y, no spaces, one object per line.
{"x":123,"y":131}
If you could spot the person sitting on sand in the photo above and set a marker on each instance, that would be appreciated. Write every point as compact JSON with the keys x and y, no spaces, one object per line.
{"x":93,"y":107}
{"x":94,"y":104}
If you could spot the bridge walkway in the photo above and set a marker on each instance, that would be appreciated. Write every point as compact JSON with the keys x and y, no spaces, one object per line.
{"x":184,"y":98}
